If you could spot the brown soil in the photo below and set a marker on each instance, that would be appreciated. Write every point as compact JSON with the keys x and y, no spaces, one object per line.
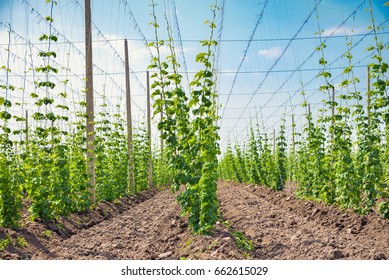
{"x":279,"y":226}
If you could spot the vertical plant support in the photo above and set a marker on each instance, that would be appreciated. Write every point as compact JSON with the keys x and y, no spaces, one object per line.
{"x":293,"y":137}
{"x":333,"y":113}
{"x":131,"y":176}
{"x":333,"y":127}
{"x":368,"y":97}
{"x":161,"y":119}
{"x":189,"y":127}
{"x":90,"y":118}
{"x":274,"y":141}
{"x":150,"y":169}
{"x":293,"y":168}
{"x":26,"y":129}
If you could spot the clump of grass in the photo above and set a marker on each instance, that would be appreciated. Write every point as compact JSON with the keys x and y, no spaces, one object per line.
{"x":242,"y":242}
{"x":213,"y":244}
{"x":4,"y":243}
{"x":47,"y":233}
{"x":21,"y":242}
{"x":240,"y":238}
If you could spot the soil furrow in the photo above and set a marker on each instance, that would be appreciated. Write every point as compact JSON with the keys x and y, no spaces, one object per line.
{"x":283,"y":227}
{"x":279,"y":225}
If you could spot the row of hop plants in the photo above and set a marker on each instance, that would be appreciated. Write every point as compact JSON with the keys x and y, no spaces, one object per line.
{"x":260,"y":161}
{"x":342,"y":156}
{"x":43,"y":166}
{"x":188,"y":125}
{"x":44,"y":169}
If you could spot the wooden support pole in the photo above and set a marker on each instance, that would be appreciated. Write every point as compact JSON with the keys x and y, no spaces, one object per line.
{"x":90,"y":118}
{"x":130,"y":144}
{"x":150,"y":170}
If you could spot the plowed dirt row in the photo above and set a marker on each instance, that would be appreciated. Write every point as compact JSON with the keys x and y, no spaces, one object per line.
{"x":279,"y":225}
{"x":283,"y":227}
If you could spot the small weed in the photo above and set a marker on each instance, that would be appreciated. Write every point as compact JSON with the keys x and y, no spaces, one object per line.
{"x":21,"y":242}
{"x":246,"y":255}
{"x":242,"y":242}
{"x":188,"y":242}
{"x":4,"y":243}
{"x":103,"y":212}
{"x":213,"y":244}
{"x":60,"y":227}
{"x":116,"y":202}
{"x":226,"y":223}
{"x":47,"y":233}
{"x":240,"y":239}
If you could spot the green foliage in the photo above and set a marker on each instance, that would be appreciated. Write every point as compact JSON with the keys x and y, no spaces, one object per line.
{"x":47,"y":233}
{"x":10,"y":170}
{"x":189,"y":127}
{"x":281,"y":158}
{"x":269,"y":168}
{"x":161,"y":175}
{"x":4,"y":243}
{"x":257,"y":163}
{"x":253,"y":154}
{"x":342,"y":156}
{"x":111,"y":159}
{"x":242,"y":242}
{"x":21,"y":242}
{"x":10,"y":190}
{"x":78,"y":177}
{"x":141,"y":159}
{"x":240,"y":165}
{"x":227,"y":169}
{"x":47,"y":166}
{"x":383,"y":209}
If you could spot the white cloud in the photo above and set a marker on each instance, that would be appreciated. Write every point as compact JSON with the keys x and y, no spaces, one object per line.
{"x":273,"y":52}
{"x":334,"y":31}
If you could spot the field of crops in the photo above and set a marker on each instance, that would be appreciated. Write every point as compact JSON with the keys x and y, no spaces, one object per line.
{"x":112,"y":153}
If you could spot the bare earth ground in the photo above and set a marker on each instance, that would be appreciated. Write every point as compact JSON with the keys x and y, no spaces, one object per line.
{"x":150,"y":227}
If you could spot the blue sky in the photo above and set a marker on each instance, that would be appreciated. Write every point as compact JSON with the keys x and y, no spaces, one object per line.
{"x":255,"y":92}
